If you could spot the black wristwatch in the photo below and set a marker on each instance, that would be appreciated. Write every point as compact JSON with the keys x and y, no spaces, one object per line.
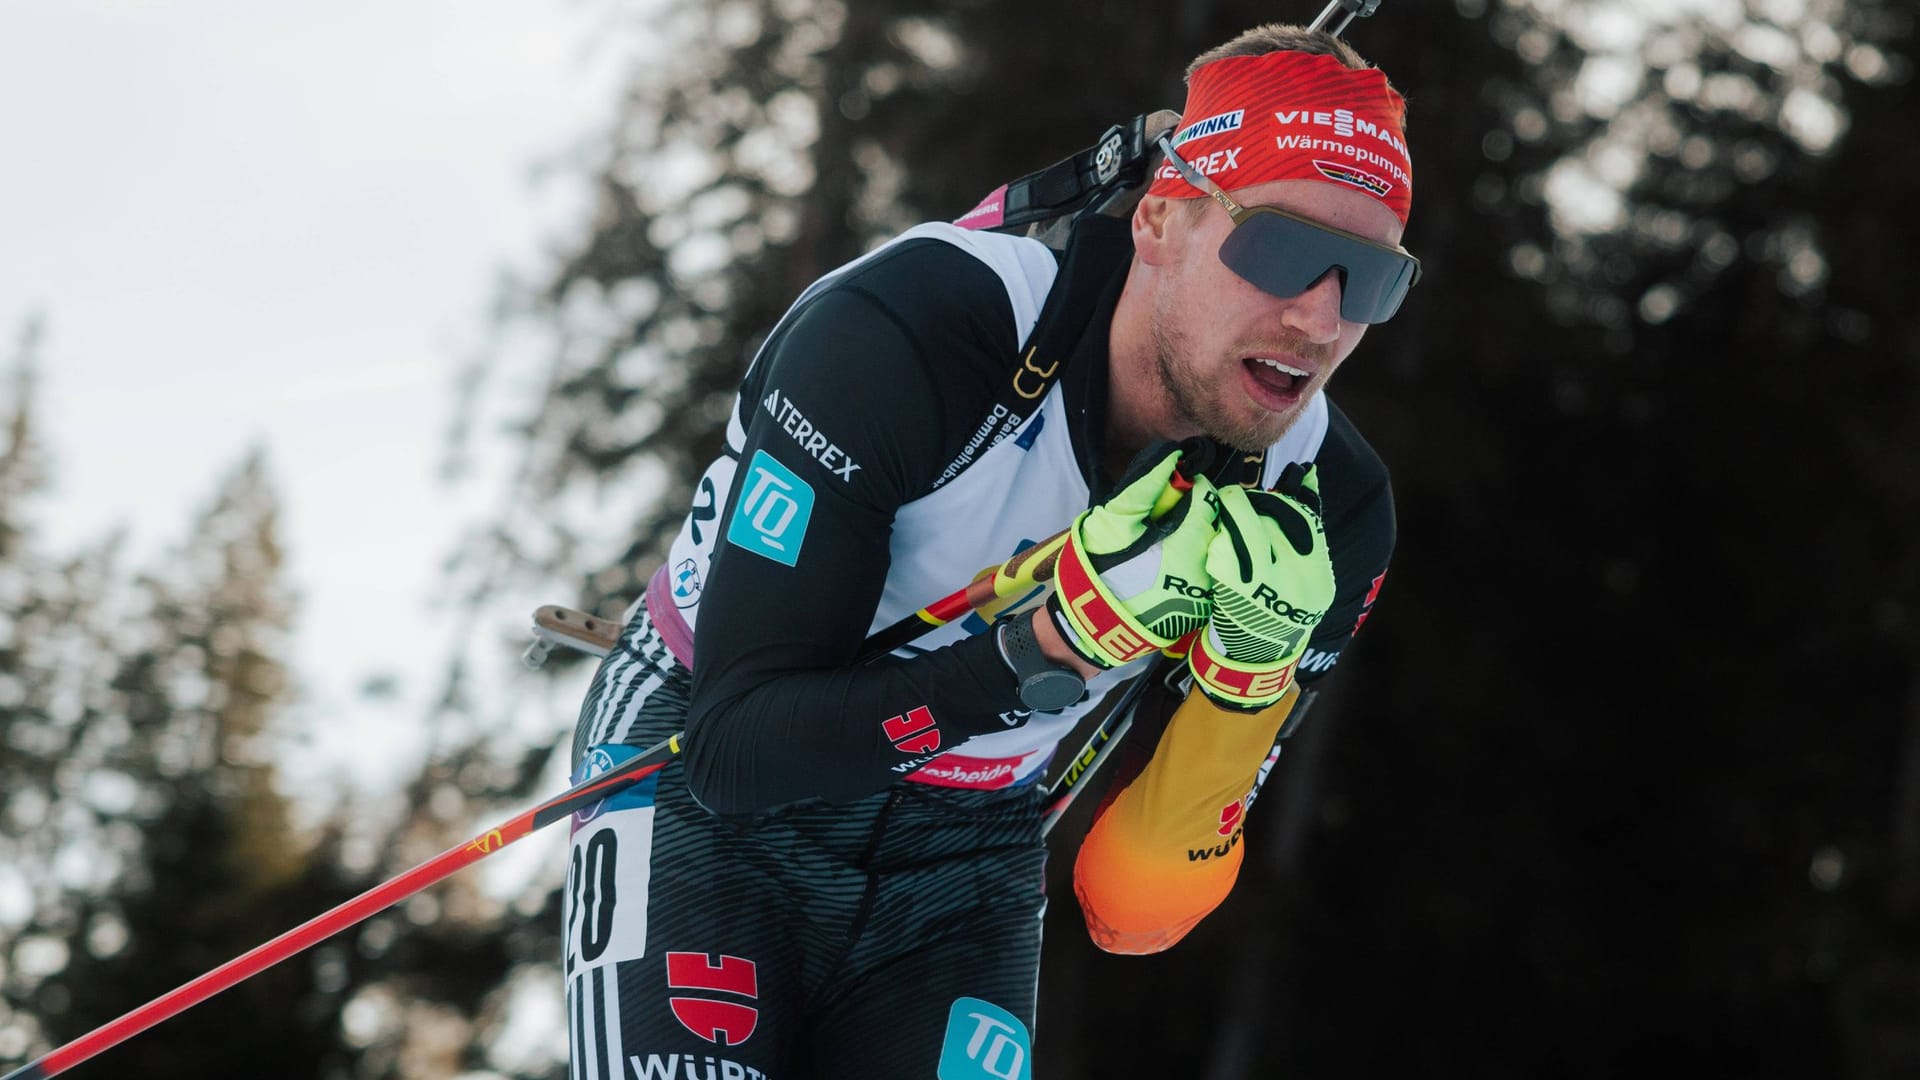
{"x":1045,"y":684}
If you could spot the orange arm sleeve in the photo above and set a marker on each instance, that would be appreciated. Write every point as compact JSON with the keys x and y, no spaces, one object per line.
{"x":1166,"y":850}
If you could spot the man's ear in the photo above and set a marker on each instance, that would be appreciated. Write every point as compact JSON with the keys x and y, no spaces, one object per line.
{"x":1155,"y":229}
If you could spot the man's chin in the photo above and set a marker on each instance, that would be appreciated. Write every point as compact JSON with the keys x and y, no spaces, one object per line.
{"x":1253,"y":433}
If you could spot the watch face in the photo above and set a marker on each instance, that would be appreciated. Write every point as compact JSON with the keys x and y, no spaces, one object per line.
{"x":1052,"y":690}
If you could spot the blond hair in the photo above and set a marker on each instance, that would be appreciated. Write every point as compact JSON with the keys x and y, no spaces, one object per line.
{"x":1280,"y":37}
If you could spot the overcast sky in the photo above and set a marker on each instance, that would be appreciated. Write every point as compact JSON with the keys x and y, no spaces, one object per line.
{"x":280,"y":224}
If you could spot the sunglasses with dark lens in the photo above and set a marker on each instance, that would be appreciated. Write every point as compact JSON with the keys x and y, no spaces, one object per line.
{"x":1285,"y":254}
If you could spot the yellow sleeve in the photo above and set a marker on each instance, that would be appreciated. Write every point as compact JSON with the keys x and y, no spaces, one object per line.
{"x":1166,"y":850}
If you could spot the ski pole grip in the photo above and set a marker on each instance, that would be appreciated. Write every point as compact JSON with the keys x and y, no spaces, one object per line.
{"x":1197,"y":458}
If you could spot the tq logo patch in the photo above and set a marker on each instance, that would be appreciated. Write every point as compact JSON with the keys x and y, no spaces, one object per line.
{"x":717,"y":1020}
{"x":775,"y":507}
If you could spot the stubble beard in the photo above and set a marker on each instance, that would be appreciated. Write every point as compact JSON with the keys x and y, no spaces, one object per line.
{"x":1200,"y":404}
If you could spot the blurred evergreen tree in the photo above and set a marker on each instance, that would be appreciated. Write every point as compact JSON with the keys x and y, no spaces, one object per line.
{"x":142,"y":815}
{"x":195,"y":684}
{"x":143,"y":839}
{"x":36,"y":600}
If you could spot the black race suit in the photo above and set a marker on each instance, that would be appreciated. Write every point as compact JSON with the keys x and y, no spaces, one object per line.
{"x":842,"y":877}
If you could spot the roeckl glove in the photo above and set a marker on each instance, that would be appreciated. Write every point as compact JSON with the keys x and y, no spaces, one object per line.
{"x":1272,"y":584}
{"x":1132,"y":578}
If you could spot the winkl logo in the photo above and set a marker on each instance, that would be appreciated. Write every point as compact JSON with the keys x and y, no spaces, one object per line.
{"x":727,"y":1023}
{"x":1212,"y":125}
{"x":914,"y":732}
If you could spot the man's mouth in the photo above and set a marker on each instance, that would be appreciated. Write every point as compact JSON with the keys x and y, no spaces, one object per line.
{"x":1276,"y":384}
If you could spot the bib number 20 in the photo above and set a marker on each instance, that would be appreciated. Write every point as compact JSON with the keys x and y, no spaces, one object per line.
{"x":606,"y":897}
{"x":593,"y":889}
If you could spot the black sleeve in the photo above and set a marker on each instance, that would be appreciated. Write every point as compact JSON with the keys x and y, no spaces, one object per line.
{"x":850,"y":411}
{"x":1357,"y":499}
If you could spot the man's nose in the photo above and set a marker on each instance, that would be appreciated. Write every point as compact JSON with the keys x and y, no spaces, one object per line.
{"x":1316,"y":312}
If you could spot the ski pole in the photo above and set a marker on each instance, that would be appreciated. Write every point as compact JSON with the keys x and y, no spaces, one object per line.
{"x":320,"y":927}
{"x":1094,"y":752}
{"x":989,"y":594}
{"x":1114,"y":727}
{"x":997,"y":588}
{"x":1346,"y":11}
{"x":553,"y":626}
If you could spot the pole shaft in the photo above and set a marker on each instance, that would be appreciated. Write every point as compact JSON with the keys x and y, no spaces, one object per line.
{"x":261,"y":957}
{"x":325,"y":925}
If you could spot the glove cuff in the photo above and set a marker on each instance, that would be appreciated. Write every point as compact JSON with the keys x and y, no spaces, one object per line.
{"x":1246,"y":687}
{"x":1099,"y":626}
{"x":1070,"y":634}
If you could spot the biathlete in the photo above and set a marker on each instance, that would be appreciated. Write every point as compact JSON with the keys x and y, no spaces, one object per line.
{"x":842,"y":874}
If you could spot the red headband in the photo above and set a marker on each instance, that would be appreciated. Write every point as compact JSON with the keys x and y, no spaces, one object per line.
{"x":1292,"y":116}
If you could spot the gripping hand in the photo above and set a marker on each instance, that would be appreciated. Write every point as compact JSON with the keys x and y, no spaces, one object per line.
{"x":1132,"y":575}
{"x":1272,"y":584}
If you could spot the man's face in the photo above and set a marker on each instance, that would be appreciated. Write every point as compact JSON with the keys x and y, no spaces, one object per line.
{"x":1233,"y":361}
